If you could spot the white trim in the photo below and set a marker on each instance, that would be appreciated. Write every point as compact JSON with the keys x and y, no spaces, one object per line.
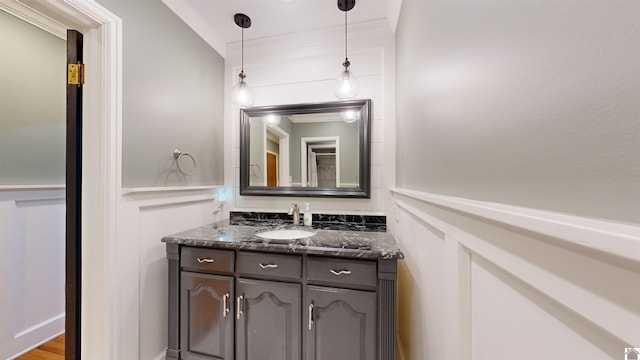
{"x":149,"y":202}
{"x":102,"y":311}
{"x":161,"y":356}
{"x":571,"y":297}
{"x":618,"y":239}
{"x":168,"y":189}
{"x":39,"y":325}
{"x":31,"y":187}
{"x":34,"y":17}
{"x":204,"y":30}
{"x":284,"y":171}
{"x":464,"y":303}
{"x":14,"y":356}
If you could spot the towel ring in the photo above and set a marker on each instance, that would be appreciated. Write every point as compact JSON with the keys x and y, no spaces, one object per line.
{"x":256,"y":174}
{"x":177,"y":154}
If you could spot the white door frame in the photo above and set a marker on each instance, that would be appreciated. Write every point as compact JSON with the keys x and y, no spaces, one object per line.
{"x":284,"y":172}
{"x":102,"y":312}
{"x":304,"y":143}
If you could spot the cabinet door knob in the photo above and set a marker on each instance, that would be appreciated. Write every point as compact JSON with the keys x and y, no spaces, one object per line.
{"x":225,"y":304}
{"x":310,"y":316}
{"x":268,"y":266}
{"x":205,"y":260}
{"x":340,"y":272}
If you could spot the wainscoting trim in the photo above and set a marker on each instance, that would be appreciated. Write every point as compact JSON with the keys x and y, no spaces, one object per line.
{"x":617,"y":239}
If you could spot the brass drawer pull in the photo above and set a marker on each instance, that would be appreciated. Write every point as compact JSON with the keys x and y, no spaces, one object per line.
{"x":268,"y":266}
{"x":341,"y":272}
{"x":205,"y":260}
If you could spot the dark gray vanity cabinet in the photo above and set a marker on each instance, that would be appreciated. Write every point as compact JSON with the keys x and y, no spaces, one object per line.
{"x":206,"y":295}
{"x":268,"y":312}
{"x":254,"y":305}
{"x":341,"y":324}
{"x":207,"y":323}
{"x":268,"y":320}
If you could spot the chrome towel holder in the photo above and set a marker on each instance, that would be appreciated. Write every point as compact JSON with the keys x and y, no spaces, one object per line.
{"x":177,"y":154}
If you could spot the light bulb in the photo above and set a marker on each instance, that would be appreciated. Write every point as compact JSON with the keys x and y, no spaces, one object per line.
{"x":241,"y":94}
{"x":346,"y":85}
{"x":272,"y":120}
{"x":349,"y":116}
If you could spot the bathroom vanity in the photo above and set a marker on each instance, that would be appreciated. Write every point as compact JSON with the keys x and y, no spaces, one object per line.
{"x":235,"y":295}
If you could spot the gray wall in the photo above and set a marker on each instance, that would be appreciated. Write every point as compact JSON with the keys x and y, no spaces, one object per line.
{"x":32,"y":104}
{"x":527,"y":103}
{"x":348,"y":147}
{"x":172,"y":98}
{"x":273,"y":146}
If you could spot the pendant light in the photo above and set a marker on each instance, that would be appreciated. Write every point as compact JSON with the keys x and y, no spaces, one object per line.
{"x":346,"y":85}
{"x":241,"y":93}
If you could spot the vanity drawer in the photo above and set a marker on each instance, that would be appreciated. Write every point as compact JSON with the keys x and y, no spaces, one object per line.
{"x":207,"y":260}
{"x":345,"y":272}
{"x":272,"y":265}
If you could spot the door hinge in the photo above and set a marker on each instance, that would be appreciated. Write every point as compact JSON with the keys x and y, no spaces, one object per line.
{"x":75,"y":75}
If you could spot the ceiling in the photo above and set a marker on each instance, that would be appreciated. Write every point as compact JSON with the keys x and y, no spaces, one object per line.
{"x":213,"y":19}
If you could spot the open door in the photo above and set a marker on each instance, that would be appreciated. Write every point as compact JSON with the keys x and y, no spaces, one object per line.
{"x":75,"y":79}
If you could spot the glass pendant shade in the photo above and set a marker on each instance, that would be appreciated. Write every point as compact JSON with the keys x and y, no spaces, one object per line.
{"x":346,"y":85}
{"x":241,"y":94}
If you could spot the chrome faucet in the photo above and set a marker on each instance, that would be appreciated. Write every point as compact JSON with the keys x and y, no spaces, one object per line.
{"x":295,"y":211}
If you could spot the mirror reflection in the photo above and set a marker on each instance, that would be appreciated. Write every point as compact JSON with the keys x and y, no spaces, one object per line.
{"x":315,"y":150}
{"x":297,"y":149}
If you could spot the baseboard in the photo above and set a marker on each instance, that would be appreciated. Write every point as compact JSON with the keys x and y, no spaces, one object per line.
{"x":161,"y":356}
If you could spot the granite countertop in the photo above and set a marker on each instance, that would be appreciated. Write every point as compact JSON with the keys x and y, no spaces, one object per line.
{"x":326,"y":241}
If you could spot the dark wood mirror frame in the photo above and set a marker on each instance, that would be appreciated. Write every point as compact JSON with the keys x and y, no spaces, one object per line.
{"x":364,"y":187}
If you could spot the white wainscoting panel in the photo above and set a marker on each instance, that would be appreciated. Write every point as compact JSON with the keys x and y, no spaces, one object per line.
{"x":145,"y":217}
{"x":32,"y":270}
{"x":511,"y":318}
{"x":478,"y":285}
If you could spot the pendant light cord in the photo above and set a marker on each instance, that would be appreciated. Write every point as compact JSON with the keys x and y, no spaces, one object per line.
{"x":242,"y":56}
{"x":345,"y":35}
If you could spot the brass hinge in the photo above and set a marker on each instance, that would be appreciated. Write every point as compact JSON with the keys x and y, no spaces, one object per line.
{"x":75,"y":74}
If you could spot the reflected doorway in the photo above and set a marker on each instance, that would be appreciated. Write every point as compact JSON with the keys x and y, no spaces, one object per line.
{"x":320,"y":161}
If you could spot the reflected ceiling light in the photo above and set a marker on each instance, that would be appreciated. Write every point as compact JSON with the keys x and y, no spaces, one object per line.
{"x":350,"y":116}
{"x":241,"y":93}
{"x":346,"y":85}
{"x":272,"y":120}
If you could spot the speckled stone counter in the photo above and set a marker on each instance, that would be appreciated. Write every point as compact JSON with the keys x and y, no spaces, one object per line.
{"x":328,"y":242}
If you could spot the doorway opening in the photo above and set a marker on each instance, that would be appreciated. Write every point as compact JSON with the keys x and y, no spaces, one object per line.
{"x":320,"y":161}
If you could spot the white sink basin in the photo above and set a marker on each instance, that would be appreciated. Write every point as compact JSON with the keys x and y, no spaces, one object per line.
{"x":285,"y":234}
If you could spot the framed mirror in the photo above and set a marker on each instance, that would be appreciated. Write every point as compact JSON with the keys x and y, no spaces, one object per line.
{"x":313,"y":150}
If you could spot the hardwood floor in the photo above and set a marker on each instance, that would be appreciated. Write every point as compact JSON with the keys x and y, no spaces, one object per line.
{"x":51,"y":350}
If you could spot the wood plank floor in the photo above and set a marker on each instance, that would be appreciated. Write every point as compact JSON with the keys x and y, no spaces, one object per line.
{"x":51,"y":350}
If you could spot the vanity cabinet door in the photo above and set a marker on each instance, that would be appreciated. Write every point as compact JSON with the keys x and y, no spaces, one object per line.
{"x":340,"y":324}
{"x":268,"y":320}
{"x":206,"y":316}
